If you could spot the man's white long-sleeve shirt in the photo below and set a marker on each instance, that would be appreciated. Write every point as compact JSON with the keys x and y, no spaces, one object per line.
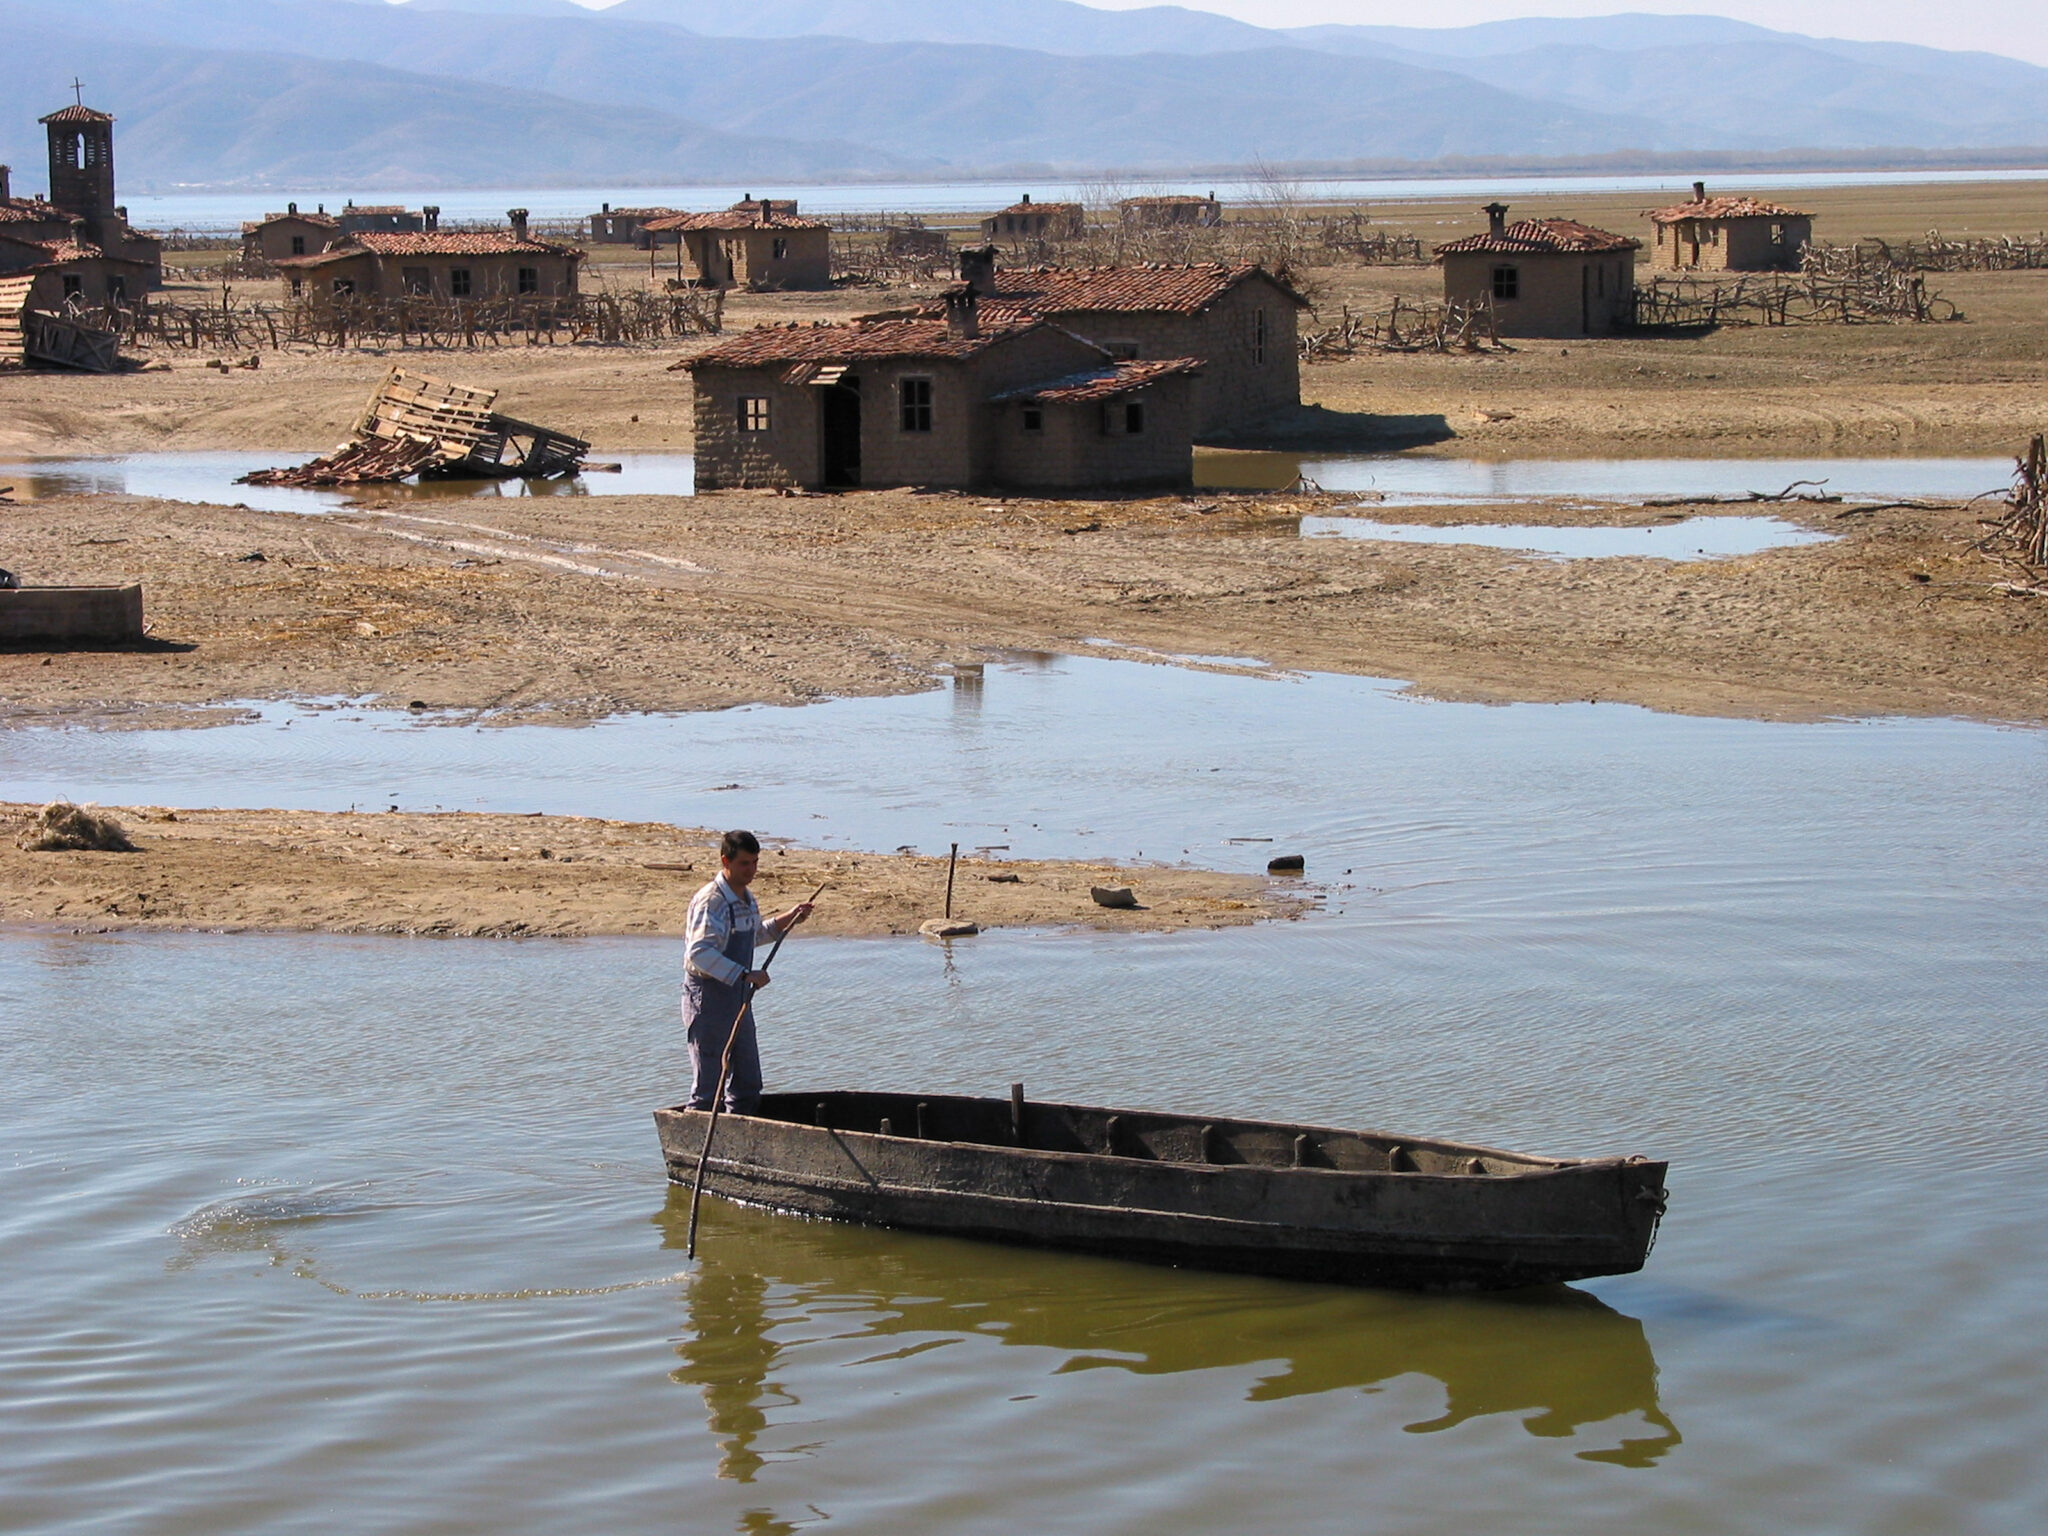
{"x":716,"y":913}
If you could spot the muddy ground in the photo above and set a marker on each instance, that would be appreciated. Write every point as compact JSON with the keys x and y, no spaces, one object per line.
{"x":571,"y":608}
{"x":470,"y":874}
{"x":686,"y":603}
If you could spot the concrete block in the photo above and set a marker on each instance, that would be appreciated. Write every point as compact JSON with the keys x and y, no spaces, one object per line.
{"x":71,"y":615}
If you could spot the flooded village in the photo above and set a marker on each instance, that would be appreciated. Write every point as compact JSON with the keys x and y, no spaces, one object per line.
{"x":1554,"y":664}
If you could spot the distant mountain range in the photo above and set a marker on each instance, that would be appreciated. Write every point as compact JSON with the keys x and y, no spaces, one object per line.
{"x":537,"y":92}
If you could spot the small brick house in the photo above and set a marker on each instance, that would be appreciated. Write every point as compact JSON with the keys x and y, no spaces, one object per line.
{"x":756,"y":243}
{"x":291,"y":233}
{"x":437,"y":263}
{"x":1730,"y":234}
{"x":1025,"y":221}
{"x":1182,"y":211}
{"x":73,"y":271}
{"x":1544,"y":277}
{"x":1238,"y":318}
{"x":623,"y":226}
{"x":938,"y":402}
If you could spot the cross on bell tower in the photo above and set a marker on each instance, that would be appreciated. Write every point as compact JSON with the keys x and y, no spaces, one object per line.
{"x":78,"y":89}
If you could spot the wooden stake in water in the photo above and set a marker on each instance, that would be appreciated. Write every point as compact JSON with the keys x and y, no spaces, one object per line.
{"x":724,"y":1072}
{"x":952,"y":860}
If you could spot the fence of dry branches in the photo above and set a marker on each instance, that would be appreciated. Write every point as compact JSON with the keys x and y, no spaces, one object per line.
{"x":2018,"y":538}
{"x":341,"y":321}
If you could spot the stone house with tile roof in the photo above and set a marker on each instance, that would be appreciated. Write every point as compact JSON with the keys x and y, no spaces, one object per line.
{"x":1016,"y":403}
{"x":1544,"y":277}
{"x":438,"y":263}
{"x":758,"y":243}
{"x":1027,"y":223}
{"x":72,"y":271}
{"x":1237,"y":317}
{"x":291,"y":233}
{"x":1729,"y":234}
{"x":1181,"y":210}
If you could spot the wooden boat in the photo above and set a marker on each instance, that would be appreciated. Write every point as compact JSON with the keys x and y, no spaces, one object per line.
{"x":1252,"y":1196}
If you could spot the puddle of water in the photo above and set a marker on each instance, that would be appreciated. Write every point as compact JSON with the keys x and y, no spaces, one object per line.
{"x":1695,"y":538}
{"x":210,"y":478}
{"x":1403,"y":480}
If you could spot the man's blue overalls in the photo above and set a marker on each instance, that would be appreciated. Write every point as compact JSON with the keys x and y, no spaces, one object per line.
{"x":710,"y":1009}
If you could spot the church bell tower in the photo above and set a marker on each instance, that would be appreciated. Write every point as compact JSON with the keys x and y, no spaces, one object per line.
{"x":82,"y":166}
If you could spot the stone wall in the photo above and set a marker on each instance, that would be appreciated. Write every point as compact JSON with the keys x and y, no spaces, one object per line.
{"x":1080,"y":447}
{"x":1240,"y":381}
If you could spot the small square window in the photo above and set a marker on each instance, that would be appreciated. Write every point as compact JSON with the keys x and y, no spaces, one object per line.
{"x":529,"y":279}
{"x":458,"y":282}
{"x":781,"y":249}
{"x":1507,"y":282}
{"x":298,"y":287}
{"x":1134,"y":418}
{"x":754,"y":413}
{"x":344,"y":286}
{"x":1034,"y":418}
{"x":1258,"y":335}
{"x":298,"y":245}
{"x":74,"y":286}
{"x":917,"y":405}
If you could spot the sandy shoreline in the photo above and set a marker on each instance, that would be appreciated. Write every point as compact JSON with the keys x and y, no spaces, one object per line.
{"x":470,"y":874}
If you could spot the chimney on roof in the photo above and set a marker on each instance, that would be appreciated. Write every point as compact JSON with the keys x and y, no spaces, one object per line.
{"x":1027,"y":199}
{"x":6,"y":182}
{"x":77,"y":230}
{"x":978,"y":269}
{"x":1699,"y":191}
{"x":607,"y":207}
{"x":1496,"y":217}
{"x":963,"y":312}
{"x":323,"y":208}
{"x":517,"y":218}
{"x":431,"y":217}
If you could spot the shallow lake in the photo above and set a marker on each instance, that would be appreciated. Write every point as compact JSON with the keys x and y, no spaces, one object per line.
{"x":225,"y":211}
{"x":1393,"y":479}
{"x":298,"y":1226}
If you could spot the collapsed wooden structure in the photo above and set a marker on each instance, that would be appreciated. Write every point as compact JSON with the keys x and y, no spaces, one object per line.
{"x":415,"y":425}
{"x":39,"y":338}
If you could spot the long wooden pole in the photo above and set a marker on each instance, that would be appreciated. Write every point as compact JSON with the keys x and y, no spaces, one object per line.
{"x":725,"y":1071}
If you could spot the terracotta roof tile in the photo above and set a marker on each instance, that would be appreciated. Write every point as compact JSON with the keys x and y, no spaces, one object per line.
{"x":324,"y":220}
{"x":1104,"y":383}
{"x":30,"y":210}
{"x":78,"y":115}
{"x":1153,"y":287}
{"x":1061,"y":208}
{"x":727,"y":218}
{"x":1541,"y":237}
{"x":394,"y":242}
{"x":65,"y":249}
{"x":847,"y":343}
{"x":1726,"y":208}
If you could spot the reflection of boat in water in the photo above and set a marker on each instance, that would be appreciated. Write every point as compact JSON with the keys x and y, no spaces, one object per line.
{"x":1305,"y":1202}
{"x":1557,"y":1359}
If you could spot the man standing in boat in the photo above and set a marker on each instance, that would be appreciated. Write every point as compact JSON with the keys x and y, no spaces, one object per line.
{"x":719,"y":975}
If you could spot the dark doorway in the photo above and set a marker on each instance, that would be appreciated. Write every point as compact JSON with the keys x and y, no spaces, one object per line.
{"x":842,"y":433}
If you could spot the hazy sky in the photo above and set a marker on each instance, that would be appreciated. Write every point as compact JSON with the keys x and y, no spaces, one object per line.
{"x":2017,"y":28}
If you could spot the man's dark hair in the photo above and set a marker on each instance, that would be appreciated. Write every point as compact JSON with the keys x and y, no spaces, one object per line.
{"x":735,"y":843}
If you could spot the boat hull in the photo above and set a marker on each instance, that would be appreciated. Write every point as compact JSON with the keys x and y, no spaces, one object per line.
{"x":1240,"y":1196}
